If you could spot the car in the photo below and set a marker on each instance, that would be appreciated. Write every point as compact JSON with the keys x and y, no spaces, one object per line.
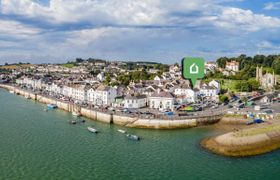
{"x":147,"y":113}
{"x":111,"y":109}
{"x":268,"y":111}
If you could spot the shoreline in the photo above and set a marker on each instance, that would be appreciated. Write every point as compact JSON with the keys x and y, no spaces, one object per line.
{"x":119,"y":119}
{"x":245,"y":142}
{"x":227,"y":144}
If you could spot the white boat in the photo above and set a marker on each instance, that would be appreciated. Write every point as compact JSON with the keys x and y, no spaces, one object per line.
{"x":91,"y":129}
{"x":12,"y":92}
{"x":51,"y":106}
{"x":76,"y":113}
{"x":27,"y":97}
{"x":122,"y":131}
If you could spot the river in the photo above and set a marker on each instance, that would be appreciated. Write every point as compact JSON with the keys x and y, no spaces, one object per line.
{"x":42,"y":145}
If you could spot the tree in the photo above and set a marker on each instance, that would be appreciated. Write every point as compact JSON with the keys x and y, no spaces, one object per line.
{"x":242,"y":86}
{"x":222,"y":62}
{"x":259,"y":59}
{"x":107,"y":79}
{"x":253,"y":85}
{"x":223,"y":98}
{"x":276,"y":65}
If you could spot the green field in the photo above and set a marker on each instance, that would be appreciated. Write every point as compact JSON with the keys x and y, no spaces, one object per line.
{"x":256,"y":131}
{"x":68,"y":65}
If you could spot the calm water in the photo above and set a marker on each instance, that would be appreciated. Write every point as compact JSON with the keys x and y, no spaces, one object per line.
{"x":41,"y":145}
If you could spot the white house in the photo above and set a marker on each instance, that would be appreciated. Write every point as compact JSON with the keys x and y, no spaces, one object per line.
{"x":157,"y":78}
{"x":209,"y":91}
{"x":105,"y":95}
{"x":215,"y":84}
{"x":232,"y":66}
{"x":91,"y":95}
{"x":162,"y":101}
{"x":76,"y":91}
{"x":137,"y":101}
{"x":101,"y":77}
{"x":79,"y":92}
{"x":56,"y":88}
{"x":188,"y":95}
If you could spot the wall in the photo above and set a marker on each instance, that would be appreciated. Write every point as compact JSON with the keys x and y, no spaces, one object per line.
{"x":123,"y":120}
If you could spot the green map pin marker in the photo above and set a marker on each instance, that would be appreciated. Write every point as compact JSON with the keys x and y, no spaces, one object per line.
{"x":193,"y":69}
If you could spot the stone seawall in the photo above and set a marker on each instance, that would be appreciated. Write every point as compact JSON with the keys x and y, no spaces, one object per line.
{"x":123,"y":120}
{"x":234,"y":120}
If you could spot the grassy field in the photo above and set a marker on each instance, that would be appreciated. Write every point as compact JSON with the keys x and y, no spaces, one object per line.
{"x":68,"y":65}
{"x":228,"y":83}
{"x":256,"y":131}
{"x":10,"y":67}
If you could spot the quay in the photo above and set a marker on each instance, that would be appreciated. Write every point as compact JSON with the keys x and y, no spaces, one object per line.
{"x":120,"y":119}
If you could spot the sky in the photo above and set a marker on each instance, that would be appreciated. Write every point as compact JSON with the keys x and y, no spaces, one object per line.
{"x":55,"y":31}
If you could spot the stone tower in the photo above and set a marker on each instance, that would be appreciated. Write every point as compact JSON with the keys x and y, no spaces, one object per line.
{"x":259,"y":74}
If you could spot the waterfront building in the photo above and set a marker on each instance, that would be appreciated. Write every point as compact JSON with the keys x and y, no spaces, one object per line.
{"x":209,"y":92}
{"x":162,"y":101}
{"x":215,"y":84}
{"x":105,"y":95}
{"x":91,"y":95}
{"x":135,"y":101}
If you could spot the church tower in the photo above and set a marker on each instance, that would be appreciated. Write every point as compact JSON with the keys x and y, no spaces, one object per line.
{"x":259,"y":74}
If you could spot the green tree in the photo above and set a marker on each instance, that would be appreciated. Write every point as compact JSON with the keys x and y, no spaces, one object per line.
{"x":222,"y":62}
{"x":107,"y":79}
{"x":276,"y":65}
{"x":223,"y":98}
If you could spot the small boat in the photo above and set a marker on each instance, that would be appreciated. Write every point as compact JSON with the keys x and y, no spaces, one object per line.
{"x":133,"y":137}
{"x":91,"y":129}
{"x":72,"y":122}
{"x":76,"y":114}
{"x":27,"y":97}
{"x":12,"y":92}
{"x":46,"y":110}
{"x":52,"y":106}
{"x":122,"y":131}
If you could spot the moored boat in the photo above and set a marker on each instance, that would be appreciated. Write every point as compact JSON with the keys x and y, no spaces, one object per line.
{"x":72,"y":122}
{"x":12,"y":92}
{"x":91,"y":129}
{"x":52,"y":106}
{"x":122,"y":131}
{"x":76,"y":113}
{"x":133,"y":137}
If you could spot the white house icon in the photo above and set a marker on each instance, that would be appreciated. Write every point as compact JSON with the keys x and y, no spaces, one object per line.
{"x":193,"y":69}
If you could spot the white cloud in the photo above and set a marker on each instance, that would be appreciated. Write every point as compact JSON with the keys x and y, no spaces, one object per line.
{"x":272,"y":6}
{"x":16,"y":29}
{"x":246,"y":20}
{"x":115,"y":29}
{"x":107,"y":11}
{"x":142,"y":12}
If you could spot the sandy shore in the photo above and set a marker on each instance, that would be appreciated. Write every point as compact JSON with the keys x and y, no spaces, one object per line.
{"x":242,"y":140}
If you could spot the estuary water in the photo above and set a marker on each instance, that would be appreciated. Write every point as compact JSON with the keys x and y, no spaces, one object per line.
{"x":42,"y":145}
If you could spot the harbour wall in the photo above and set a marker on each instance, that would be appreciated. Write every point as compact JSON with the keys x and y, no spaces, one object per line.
{"x":123,"y":120}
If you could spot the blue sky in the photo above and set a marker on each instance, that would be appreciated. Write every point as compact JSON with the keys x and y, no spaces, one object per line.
{"x":155,"y":30}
